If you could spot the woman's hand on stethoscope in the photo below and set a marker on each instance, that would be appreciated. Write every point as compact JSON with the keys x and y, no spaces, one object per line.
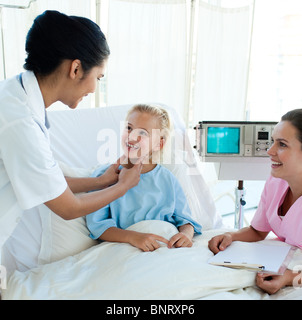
{"x":111,"y":175}
{"x":130,"y":177}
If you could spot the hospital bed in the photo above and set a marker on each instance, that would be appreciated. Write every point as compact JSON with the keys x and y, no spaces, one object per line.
{"x":49,"y":258}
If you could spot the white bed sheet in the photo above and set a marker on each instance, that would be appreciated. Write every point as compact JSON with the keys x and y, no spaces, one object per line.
{"x":120,"y":271}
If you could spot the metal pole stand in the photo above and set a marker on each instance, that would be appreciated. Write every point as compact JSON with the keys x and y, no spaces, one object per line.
{"x":239,"y":204}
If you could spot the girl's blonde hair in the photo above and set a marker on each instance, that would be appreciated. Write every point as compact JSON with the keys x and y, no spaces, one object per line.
{"x":164,"y":123}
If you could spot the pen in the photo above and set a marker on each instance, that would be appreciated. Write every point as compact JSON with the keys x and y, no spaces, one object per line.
{"x":245,"y":264}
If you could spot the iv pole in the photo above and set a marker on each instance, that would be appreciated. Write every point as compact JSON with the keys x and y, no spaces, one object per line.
{"x":240,"y":191}
{"x":9,"y":6}
{"x":239,"y":204}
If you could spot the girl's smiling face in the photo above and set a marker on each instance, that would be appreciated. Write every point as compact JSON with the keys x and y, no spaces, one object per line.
{"x":141,"y":136}
{"x":286,"y":152}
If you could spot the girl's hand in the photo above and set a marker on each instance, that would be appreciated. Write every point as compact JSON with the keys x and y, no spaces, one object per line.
{"x":146,"y":241}
{"x":272,"y":283}
{"x":180,"y":240}
{"x":183,"y":238}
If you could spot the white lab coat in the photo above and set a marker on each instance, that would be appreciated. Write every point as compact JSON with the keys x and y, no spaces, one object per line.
{"x":29,"y":175}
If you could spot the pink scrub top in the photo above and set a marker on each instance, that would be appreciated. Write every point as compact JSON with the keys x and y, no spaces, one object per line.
{"x":287,"y":228}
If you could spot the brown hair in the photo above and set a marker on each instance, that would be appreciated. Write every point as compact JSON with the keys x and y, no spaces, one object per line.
{"x":295,"y":118}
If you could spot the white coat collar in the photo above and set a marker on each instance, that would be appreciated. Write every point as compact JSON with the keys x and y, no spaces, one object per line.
{"x":35,"y":98}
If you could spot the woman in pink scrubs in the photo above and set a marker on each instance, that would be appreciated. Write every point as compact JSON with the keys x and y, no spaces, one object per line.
{"x":280,"y":207}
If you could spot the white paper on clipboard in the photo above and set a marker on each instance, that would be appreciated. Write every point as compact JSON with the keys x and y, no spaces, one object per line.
{"x":255,"y":256}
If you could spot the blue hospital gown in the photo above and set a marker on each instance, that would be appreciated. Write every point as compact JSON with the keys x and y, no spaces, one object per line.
{"x":157,"y":196}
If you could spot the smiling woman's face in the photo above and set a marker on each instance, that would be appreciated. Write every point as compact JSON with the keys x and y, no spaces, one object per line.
{"x":286,"y":152}
{"x":85,"y":86}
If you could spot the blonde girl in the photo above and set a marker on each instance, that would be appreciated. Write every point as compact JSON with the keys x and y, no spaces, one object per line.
{"x":158,"y":195}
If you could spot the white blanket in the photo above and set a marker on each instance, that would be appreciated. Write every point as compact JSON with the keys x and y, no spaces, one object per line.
{"x":120,"y":271}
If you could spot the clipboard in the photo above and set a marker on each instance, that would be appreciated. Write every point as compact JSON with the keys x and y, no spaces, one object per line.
{"x":266,"y":257}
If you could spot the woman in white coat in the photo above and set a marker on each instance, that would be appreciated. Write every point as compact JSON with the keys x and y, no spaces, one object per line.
{"x":66,"y":56}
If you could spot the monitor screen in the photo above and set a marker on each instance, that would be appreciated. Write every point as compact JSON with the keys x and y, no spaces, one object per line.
{"x":223,"y":140}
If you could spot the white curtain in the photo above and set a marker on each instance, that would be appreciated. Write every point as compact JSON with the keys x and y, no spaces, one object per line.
{"x":223,"y":44}
{"x":1,"y":48}
{"x":14,"y":26}
{"x":17,"y":22}
{"x":148,"y":43}
{"x":276,"y":59}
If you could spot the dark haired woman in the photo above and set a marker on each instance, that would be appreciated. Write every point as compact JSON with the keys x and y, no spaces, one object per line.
{"x":280,"y":207}
{"x":66,"y":56}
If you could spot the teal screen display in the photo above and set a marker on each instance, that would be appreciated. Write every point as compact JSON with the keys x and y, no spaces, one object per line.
{"x":223,"y":140}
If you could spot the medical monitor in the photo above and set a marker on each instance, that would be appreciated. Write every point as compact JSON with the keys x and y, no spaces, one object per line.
{"x":233,"y":139}
{"x":237,"y":148}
